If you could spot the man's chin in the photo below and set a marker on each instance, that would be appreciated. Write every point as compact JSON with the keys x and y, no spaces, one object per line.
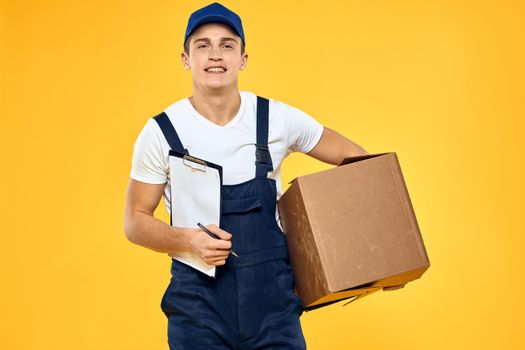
{"x":219,"y":86}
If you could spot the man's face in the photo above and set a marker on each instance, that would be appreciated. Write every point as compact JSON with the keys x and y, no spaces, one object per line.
{"x":214,"y":56}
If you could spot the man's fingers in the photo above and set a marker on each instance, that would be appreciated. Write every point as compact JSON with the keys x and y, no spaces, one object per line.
{"x":217,"y":244}
{"x":220,"y":262}
{"x":219,"y":232}
{"x":217,"y":260}
{"x":214,"y":249}
{"x":216,"y":254}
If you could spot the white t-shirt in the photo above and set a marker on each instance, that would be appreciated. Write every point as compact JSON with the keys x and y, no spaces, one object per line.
{"x":232,"y":145}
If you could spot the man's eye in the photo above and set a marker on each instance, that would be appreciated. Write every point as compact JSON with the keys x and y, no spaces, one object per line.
{"x":202,"y":45}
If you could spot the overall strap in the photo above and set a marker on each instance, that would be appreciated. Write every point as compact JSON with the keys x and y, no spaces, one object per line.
{"x":169,"y":132}
{"x":263,"y":160}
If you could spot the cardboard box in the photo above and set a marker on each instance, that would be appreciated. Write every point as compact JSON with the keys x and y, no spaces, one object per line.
{"x":351,"y":230}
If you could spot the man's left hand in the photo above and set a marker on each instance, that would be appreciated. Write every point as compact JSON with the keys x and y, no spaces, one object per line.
{"x":399,"y":286}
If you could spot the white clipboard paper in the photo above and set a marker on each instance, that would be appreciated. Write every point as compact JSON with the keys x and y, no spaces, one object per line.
{"x":195,"y":197}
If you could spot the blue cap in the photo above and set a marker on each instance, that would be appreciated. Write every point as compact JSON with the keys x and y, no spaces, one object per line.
{"x":214,"y":13}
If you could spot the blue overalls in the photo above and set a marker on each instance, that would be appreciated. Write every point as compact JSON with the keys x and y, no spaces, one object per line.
{"x":251,"y":304}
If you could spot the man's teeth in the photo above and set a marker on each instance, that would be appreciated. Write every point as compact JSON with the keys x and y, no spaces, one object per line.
{"x":215,"y":69}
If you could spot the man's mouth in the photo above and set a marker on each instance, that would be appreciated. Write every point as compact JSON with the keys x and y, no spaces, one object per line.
{"x":216,"y":70}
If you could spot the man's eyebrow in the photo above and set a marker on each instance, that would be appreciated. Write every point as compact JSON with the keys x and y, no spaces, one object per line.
{"x":207,"y":40}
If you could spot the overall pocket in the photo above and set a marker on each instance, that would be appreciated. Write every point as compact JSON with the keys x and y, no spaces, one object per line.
{"x":240,"y":205}
{"x":176,"y":268}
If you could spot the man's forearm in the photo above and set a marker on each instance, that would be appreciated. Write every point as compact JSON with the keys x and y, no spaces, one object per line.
{"x":147,"y":231}
{"x":333,"y":148}
{"x":352,"y":149}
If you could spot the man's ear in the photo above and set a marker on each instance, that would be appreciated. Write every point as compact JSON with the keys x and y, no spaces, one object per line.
{"x":185,"y":60}
{"x":244,"y":60}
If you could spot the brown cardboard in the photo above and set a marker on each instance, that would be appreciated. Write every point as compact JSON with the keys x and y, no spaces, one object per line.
{"x":351,"y":230}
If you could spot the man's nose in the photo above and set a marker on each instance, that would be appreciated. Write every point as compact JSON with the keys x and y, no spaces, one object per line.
{"x":215,"y":54}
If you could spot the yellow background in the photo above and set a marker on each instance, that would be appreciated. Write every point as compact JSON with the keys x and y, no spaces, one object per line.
{"x":439,"y":82}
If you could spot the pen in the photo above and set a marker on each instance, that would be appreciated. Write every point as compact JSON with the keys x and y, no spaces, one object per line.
{"x":213,"y":235}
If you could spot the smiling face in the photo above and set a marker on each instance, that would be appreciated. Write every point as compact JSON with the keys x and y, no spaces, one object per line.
{"x":214,"y":57}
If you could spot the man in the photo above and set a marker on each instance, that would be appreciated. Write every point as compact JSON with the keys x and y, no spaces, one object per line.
{"x":251,"y":303}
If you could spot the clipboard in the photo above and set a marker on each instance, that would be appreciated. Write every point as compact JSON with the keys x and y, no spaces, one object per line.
{"x":196,"y":193}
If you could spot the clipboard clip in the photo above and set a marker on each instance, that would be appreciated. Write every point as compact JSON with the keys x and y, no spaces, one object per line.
{"x":193,"y":163}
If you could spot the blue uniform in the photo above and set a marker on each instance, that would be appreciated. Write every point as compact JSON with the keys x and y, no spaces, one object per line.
{"x":251,"y":304}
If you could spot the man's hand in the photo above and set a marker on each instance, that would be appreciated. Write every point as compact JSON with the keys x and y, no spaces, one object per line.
{"x":212,"y":251}
{"x":399,"y":286}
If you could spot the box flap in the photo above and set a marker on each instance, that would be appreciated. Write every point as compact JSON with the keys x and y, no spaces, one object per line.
{"x":351,"y":160}
{"x":358,"y":158}
{"x":355,"y":293}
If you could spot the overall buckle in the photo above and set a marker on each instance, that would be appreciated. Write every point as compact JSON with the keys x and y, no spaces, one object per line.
{"x":262,"y":154}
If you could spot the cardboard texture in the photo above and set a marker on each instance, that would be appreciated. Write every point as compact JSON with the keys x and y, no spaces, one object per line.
{"x":351,"y":230}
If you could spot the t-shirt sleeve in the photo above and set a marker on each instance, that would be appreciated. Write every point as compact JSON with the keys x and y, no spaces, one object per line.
{"x":148,"y":163}
{"x":303,"y":132}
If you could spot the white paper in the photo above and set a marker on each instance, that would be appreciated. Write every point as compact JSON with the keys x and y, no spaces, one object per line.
{"x":195,"y":197}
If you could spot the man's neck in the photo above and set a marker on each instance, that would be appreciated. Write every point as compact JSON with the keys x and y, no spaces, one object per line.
{"x":218,"y":107}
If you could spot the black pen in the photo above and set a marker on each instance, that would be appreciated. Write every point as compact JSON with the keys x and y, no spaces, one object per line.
{"x":213,"y":235}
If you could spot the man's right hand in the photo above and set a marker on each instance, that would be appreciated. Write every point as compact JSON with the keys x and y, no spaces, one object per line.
{"x":212,"y":251}
{"x":143,"y":228}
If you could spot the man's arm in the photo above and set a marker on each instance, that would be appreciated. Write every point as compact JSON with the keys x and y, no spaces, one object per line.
{"x":333,"y":148}
{"x":142,"y":228}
